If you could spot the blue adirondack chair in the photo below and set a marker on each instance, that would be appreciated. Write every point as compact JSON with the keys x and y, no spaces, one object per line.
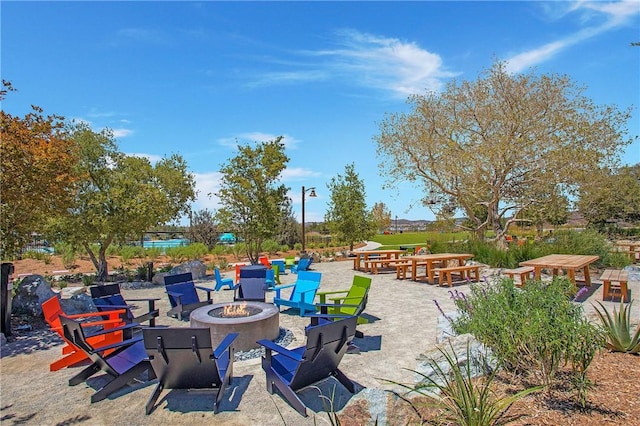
{"x":221,"y":282}
{"x":184,"y":299}
{"x":290,"y":370}
{"x":303,"y":294}
{"x":303,"y":265}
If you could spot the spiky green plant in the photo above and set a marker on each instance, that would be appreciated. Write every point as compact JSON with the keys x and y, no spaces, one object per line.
{"x":618,"y":329}
{"x":463,"y":399}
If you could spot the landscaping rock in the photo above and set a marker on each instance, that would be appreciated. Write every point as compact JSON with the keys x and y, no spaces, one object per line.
{"x":77,"y":304}
{"x":197,"y":268}
{"x":31,"y":292}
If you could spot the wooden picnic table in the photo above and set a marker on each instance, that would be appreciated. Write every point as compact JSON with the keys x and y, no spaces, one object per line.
{"x":430,"y":260}
{"x":569,"y":262}
{"x":631,"y":248}
{"x":366,"y":254}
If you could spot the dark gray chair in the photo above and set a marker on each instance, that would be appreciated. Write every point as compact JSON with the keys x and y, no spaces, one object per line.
{"x":184,"y":358}
{"x":122,"y":361}
{"x":250,"y":289}
{"x":290,"y":370}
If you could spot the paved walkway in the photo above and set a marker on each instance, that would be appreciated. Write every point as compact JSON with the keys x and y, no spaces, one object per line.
{"x":403,"y":326}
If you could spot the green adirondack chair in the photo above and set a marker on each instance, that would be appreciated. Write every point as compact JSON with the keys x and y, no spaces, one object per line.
{"x":346,"y":302}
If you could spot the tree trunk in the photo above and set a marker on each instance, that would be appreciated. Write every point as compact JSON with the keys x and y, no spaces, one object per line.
{"x":100,"y":262}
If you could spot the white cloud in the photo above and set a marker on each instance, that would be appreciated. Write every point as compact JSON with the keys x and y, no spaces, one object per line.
{"x":387,"y":63}
{"x":298,"y":173}
{"x":207,"y":185}
{"x":611,"y":14}
{"x":151,"y":157}
{"x":232,"y":142}
{"x":368,"y":60}
{"x":122,"y":133}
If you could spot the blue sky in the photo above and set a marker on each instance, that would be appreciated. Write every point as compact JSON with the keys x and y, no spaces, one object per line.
{"x":195,"y":77}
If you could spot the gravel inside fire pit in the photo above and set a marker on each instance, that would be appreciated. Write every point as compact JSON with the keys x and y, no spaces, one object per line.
{"x":285,"y":337}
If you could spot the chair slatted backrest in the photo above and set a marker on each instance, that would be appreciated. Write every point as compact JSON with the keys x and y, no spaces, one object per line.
{"x":307,"y":285}
{"x":252,"y":289}
{"x":188,"y":293}
{"x":178,"y":278}
{"x":182,"y":358}
{"x":326,"y":345}
{"x":304,"y":263}
{"x":106,"y":296}
{"x":358,"y":295}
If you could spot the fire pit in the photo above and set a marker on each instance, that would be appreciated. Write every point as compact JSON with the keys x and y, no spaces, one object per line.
{"x":253,"y":320}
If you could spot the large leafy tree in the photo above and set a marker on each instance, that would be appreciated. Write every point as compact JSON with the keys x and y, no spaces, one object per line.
{"x":611,"y":196}
{"x":501,"y":142}
{"x":347,"y":216}
{"x":203,"y":228}
{"x":253,"y":201}
{"x":381,"y":214}
{"x":118,"y":197}
{"x":36,"y":174}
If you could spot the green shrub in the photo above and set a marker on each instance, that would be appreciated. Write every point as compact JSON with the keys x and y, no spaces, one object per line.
{"x":239,"y":250}
{"x":176,"y":254}
{"x":297,"y":246}
{"x":618,"y":329}
{"x":195,"y":251}
{"x":530,"y":329}
{"x":270,"y":246}
{"x":88,"y":280}
{"x":284,"y":248}
{"x":152,"y":252}
{"x":128,"y":252}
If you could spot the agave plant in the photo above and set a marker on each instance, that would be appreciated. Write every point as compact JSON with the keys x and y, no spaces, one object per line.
{"x":618,"y":329}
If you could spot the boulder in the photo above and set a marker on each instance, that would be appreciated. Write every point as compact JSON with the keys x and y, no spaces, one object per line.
{"x":31,"y":292}
{"x":197,"y":268}
{"x":77,"y":304}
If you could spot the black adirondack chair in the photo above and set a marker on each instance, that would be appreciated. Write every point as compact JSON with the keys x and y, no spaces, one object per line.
{"x":108,"y":297}
{"x":127,"y":361}
{"x":290,"y":370}
{"x":183,"y":358}
{"x":183,"y":296}
{"x":250,"y":289}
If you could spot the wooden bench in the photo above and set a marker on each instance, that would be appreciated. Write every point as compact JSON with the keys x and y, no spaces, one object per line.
{"x":372,"y":265}
{"x":614,"y":279}
{"x":465,"y":271}
{"x":525,"y":273}
{"x":403,"y":268}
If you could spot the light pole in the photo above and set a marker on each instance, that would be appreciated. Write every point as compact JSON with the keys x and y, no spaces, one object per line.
{"x":311,"y":194}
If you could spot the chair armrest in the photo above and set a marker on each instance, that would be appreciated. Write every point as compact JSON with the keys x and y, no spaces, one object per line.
{"x":281,"y":287}
{"x":316,"y":317}
{"x":178,"y":296}
{"x":103,"y":323}
{"x":208,"y":290}
{"x":323,"y":294}
{"x":150,"y":299}
{"x":97,"y":314}
{"x":127,"y":342}
{"x":111,"y":330}
{"x":121,"y":307}
{"x":269,"y":345}
{"x":224,"y":345}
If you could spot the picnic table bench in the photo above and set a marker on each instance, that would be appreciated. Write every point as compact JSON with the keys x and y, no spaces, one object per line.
{"x":465,"y":272}
{"x":524,"y":273}
{"x":374,"y":264}
{"x":614,"y":279}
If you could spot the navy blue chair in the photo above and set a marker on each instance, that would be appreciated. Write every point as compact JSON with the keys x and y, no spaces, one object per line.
{"x":290,"y":370}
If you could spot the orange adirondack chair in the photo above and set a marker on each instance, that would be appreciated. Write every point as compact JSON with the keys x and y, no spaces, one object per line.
{"x":72,"y":354}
